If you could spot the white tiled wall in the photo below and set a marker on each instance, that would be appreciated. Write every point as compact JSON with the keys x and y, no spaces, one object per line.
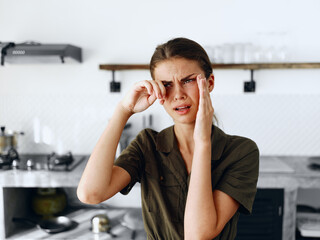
{"x":280,"y":124}
{"x":65,"y":107}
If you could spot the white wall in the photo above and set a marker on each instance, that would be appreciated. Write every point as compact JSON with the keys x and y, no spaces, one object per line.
{"x":67,"y":106}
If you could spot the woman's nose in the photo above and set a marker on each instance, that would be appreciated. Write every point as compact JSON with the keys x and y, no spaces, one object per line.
{"x":179,"y":93}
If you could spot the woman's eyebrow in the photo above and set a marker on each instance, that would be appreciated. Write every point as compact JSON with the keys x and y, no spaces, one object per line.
{"x":183,"y":79}
{"x":187,"y":77}
{"x":166,"y":81}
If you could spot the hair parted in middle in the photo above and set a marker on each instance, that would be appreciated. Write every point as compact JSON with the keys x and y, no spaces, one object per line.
{"x":183,"y":48}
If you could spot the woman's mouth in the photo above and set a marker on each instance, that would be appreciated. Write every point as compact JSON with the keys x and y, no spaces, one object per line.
{"x":182,"y":109}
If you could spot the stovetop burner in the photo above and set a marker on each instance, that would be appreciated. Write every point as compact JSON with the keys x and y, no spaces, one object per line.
{"x":51,"y":162}
{"x":10,"y":158}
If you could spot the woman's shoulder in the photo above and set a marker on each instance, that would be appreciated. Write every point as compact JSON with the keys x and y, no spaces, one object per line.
{"x":243,"y":142}
{"x":235,"y":143}
{"x":151,"y":136}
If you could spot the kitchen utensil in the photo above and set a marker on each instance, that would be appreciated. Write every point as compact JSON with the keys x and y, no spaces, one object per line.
{"x":134,"y":221}
{"x":50,"y":225}
{"x":314,"y":163}
{"x":9,"y":159}
{"x":8,"y":140}
{"x":100,"y":223}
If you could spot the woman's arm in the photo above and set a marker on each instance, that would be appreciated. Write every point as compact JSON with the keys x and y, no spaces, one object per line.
{"x":206,"y":212}
{"x":101,"y":179}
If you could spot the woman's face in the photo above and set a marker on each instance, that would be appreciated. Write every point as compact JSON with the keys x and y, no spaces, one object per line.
{"x":179,"y":76}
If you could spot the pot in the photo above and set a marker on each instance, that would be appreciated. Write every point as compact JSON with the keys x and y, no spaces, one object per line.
{"x":49,"y":201}
{"x":100,"y":223}
{"x":8,"y":141}
{"x":50,"y":225}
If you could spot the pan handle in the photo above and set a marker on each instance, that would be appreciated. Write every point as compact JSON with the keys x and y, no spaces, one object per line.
{"x":25,"y":220}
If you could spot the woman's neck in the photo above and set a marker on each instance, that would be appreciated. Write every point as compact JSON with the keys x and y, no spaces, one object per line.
{"x":184,"y":135}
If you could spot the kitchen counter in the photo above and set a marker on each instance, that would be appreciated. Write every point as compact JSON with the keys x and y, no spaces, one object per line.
{"x":15,"y":185}
{"x":289,"y":173}
{"x":42,"y":178}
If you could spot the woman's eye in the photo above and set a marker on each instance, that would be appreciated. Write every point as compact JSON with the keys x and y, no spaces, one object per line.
{"x":166,"y":85}
{"x":189,"y":80}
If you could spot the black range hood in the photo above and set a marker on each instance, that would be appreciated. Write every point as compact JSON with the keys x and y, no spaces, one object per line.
{"x":29,"y":52}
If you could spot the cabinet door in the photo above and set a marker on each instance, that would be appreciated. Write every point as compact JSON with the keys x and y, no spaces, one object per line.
{"x":265,"y":222}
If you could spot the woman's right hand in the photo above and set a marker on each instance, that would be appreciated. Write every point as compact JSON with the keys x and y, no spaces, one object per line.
{"x":142,"y":95}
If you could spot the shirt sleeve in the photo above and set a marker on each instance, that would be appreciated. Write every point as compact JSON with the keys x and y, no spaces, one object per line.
{"x":240,"y":179}
{"x":130,"y":160}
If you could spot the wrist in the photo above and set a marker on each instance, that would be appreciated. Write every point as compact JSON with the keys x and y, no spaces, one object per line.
{"x":203,"y":145}
{"x":126,"y":112}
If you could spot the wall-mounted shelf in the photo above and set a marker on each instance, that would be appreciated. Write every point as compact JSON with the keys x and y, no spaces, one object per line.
{"x":248,"y":86}
{"x":251,"y":66}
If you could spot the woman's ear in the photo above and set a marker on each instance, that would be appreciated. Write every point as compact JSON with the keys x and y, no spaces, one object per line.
{"x":210,"y":83}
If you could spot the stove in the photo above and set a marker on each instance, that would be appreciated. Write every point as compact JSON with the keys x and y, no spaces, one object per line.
{"x":33,"y":162}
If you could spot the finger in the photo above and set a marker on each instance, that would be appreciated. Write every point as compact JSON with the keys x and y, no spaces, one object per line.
{"x":147,"y":85}
{"x":200,"y":86}
{"x":156,"y":89}
{"x":204,"y":95}
{"x":151,"y":99}
{"x":162,"y":89}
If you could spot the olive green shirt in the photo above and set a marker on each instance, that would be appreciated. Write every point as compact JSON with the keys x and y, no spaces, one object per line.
{"x":154,"y":160}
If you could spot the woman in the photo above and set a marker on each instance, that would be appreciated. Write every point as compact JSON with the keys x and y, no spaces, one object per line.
{"x":195,"y":179}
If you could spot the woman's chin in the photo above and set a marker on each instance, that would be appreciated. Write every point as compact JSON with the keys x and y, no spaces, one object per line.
{"x":185,"y":120}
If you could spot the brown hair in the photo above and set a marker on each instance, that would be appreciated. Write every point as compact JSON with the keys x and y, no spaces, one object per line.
{"x":184,"y":48}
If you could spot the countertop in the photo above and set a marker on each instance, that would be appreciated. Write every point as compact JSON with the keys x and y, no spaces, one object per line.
{"x":278,"y":172}
{"x":42,"y":178}
{"x":288,"y":172}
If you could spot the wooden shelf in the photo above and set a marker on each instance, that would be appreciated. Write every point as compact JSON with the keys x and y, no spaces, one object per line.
{"x":116,"y":67}
{"x":248,"y":86}
{"x":253,"y":66}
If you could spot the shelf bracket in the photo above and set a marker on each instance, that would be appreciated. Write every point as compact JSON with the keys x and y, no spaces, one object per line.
{"x":250,"y":86}
{"x":114,"y":86}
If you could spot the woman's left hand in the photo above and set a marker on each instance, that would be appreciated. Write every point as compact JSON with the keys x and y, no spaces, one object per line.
{"x":203,"y":126}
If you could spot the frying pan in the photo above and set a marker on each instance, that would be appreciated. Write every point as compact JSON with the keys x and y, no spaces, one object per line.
{"x":50,"y":225}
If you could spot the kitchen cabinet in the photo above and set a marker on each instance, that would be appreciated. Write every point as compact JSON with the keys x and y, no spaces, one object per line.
{"x":83,"y":218}
{"x":17,"y":188}
{"x":265,"y":222}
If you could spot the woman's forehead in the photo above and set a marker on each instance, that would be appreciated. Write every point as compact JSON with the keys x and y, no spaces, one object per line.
{"x":176,"y":68}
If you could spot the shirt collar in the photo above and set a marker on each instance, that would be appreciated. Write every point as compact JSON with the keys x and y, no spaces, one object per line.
{"x":166,"y":139}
